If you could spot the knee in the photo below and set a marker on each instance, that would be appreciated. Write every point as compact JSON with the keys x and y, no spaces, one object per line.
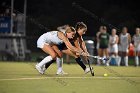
{"x":54,"y":56}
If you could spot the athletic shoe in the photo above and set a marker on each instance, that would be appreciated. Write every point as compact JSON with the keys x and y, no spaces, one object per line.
{"x":107,"y":61}
{"x":61,"y":72}
{"x":88,"y":70}
{"x":43,"y":69}
{"x":64,"y":72}
{"x":107,"y":64}
{"x":39,"y":69}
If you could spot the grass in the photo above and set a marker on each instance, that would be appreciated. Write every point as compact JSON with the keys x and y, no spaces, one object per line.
{"x":21,"y":77}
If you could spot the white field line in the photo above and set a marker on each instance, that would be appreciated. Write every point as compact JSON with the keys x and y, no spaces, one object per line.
{"x":40,"y":78}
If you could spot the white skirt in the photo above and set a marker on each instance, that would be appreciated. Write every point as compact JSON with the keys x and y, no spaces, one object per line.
{"x":113,"y":49}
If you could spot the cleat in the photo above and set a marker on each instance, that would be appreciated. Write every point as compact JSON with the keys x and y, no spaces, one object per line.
{"x":39,"y":69}
{"x":43,"y":69}
{"x":64,"y":72}
{"x":107,"y":64}
{"x":61,"y":73}
{"x":87,"y":70}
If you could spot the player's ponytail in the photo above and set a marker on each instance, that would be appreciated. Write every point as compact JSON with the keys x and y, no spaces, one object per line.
{"x":70,"y":29}
{"x":80,"y":25}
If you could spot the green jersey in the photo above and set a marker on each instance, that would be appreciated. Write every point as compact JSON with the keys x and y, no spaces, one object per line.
{"x":104,"y":40}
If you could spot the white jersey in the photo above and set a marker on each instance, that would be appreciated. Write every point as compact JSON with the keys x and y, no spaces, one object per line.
{"x":124,"y":39}
{"x":49,"y":38}
{"x":112,"y":40}
{"x":124,"y":43}
{"x":136,"y":39}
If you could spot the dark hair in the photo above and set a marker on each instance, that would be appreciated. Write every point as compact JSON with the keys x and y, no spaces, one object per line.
{"x":80,"y":25}
{"x":103,"y":27}
{"x":124,"y":27}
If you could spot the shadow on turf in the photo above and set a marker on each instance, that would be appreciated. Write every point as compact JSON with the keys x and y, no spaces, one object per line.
{"x":121,"y":76}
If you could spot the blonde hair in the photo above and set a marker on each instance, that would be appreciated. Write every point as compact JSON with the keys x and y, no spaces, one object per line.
{"x":70,"y":29}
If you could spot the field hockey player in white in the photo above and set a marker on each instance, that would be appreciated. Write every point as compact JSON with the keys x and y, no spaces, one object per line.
{"x":136,"y":40}
{"x":48,"y":41}
{"x":113,"y":45}
{"x":125,"y":40}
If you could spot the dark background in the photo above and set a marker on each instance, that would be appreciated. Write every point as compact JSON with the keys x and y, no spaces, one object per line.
{"x":54,"y":13}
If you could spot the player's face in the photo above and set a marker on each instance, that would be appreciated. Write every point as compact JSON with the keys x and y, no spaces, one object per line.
{"x":113,"y":31}
{"x":101,"y":29}
{"x":71,"y":35}
{"x":124,"y":30}
{"x":137,"y":30}
{"x":82,"y":31}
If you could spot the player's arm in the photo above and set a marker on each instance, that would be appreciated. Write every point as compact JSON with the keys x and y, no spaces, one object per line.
{"x":110,"y":42}
{"x":129,"y":38}
{"x":68,"y":44}
{"x":97,"y":36}
{"x":76,"y":43}
{"x":108,"y":38}
{"x":117,"y":40}
{"x":133,"y":39}
{"x":82,"y":44}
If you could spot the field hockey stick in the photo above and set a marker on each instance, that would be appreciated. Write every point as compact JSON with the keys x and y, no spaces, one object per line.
{"x":97,"y":57}
{"x":91,"y":70}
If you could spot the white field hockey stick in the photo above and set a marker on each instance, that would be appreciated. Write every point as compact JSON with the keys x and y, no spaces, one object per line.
{"x":97,"y":57}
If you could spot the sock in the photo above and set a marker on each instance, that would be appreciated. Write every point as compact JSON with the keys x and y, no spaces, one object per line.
{"x":137,"y":60}
{"x":80,"y":62}
{"x":118,"y":60}
{"x":126,"y":60}
{"x":48,"y":64}
{"x":45,"y":60}
{"x":59,"y":62}
{"x":104,"y":62}
{"x":98,"y":62}
{"x":109,"y":60}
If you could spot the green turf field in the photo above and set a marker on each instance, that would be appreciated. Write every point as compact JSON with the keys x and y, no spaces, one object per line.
{"x":21,"y":77}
